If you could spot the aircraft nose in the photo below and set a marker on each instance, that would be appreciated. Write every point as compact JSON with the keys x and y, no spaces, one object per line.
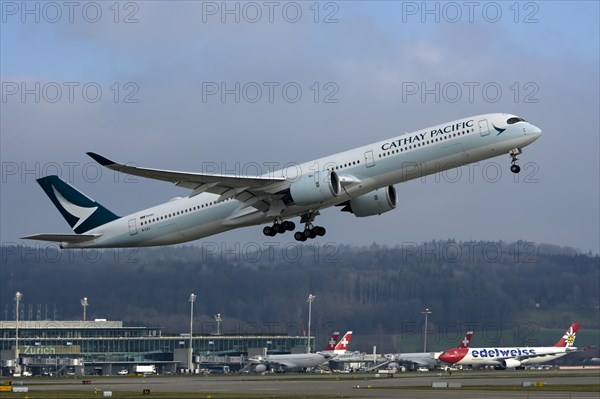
{"x":448,"y":357}
{"x":534,"y":131}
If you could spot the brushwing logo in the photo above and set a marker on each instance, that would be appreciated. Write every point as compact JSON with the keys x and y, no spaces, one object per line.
{"x":500,"y":131}
{"x":80,"y":212}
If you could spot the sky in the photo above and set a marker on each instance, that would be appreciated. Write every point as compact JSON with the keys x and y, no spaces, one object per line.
{"x":190,"y":85}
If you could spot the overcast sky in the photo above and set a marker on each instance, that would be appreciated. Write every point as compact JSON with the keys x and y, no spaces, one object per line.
{"x":190,"y":85}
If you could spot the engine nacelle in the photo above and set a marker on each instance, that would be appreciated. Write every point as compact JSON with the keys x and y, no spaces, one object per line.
{"x":315,"y":188}
{"x":260,"y":368}
{"x":511,"y":363}
{"x":376,"y":202}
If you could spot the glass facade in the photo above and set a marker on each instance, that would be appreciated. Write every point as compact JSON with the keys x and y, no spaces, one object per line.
{"x":111,"y":342}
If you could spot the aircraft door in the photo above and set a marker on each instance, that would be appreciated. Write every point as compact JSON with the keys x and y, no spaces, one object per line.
{"x":369,"y":159}
{"x":484,"y":129}
{"x":132,"y":227}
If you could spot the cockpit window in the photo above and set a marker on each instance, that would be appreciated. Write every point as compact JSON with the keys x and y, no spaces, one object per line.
{"x":515,"y":120}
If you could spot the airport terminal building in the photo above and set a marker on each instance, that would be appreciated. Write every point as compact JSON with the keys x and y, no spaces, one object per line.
{"x":107,"y":347}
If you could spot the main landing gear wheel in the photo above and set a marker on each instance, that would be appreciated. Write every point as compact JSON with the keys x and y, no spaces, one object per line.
{"x":269,"y":231}
{"x":279,"y":228}
{"x":289,"y":226}
{"x":299,"y":236}
{"x":310,"y":231}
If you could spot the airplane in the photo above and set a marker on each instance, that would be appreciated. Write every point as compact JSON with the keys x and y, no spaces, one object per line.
{"x":512,"y":357}
{"x":423,"y":359}
{"x":360,"y":181}
{"x":301,"y":361}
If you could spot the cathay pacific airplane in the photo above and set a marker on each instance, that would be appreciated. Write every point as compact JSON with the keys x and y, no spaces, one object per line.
{"x":512,"y":357}
{"x":360,"y":180}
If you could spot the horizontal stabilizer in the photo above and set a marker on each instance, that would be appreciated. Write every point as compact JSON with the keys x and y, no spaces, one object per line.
{"x":70,"y":238}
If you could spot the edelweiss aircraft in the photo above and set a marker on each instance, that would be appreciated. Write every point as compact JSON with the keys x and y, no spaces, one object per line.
{"x":512,"y":357}
{"x":420,"y":359}
{"x":359,"y":180}
{"x":302,"y":361}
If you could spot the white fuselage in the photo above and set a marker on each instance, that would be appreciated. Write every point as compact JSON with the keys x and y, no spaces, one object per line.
{"x":296,"y":361}
{"x":372,"y":166}
{"x":525,"y":355}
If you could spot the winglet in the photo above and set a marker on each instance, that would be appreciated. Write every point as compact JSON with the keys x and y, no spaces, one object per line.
{"x":100,"y":159}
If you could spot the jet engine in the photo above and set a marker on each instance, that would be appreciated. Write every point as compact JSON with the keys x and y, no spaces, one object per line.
{"x":511,"y":363}
{"x":260,"y":368}
{"x":376,"y":202}
{"x":315,"y":188}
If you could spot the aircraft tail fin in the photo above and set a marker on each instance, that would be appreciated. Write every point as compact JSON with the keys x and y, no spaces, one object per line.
{"x":330,"y":345}
{"x":80,"y":211}
{"x":568,"y":339}
{"x":342,"y":346}
{"x":466,"y":342}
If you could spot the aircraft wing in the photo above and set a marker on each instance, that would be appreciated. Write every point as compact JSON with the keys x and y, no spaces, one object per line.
{"x":418,"y":359}
{"x":525,"y":357}
{"x":258,"y":192}
{"x":282,"y":363}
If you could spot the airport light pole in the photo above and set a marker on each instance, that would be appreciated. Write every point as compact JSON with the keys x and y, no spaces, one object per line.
{"x":310,"y":300}
{"x":84,"y":303}
{"x":191,"y":350}
{"x":218,"y":319}
{"x":18,"y":297}
{"x":426,"y":312}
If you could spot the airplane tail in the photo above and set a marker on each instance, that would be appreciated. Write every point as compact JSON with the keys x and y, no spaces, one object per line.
{"x":466,"y":340}
{"x":568,"y":339}
{"x":330,"y":346}
{"x":341,"y":346}
{"x":80,"y":211}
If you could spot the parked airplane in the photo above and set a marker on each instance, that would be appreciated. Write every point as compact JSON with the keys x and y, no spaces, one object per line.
{"x":359,"y":180}
{"x":512,"y":357}
{"x":301,"y":361}
{"x":423,"y":359}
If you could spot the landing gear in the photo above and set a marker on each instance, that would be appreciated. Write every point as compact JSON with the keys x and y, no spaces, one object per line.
{"x":279,"y":228}
{"x":310,"y":231}
{"x":514,"y":153}
{"x":289,"y":226}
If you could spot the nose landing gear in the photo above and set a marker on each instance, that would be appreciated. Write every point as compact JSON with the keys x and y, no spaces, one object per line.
{"x":514,"y":153}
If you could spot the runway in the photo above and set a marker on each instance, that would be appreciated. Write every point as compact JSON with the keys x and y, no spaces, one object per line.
{"x":474,"y":385}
